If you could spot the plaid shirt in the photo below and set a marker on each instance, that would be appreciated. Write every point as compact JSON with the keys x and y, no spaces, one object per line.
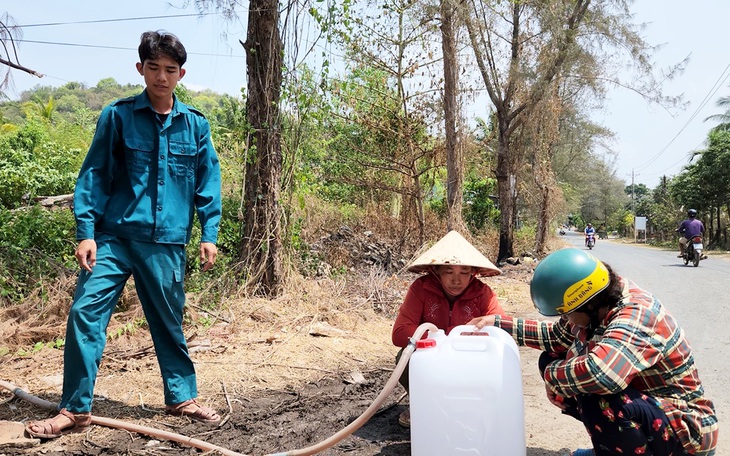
{"x":638,"y":344}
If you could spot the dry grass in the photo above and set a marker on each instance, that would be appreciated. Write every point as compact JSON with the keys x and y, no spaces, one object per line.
{"x":319,"y":329}
{"x":325,"y":327}
{"x":322,"y":329}
{"x":42,"y":316}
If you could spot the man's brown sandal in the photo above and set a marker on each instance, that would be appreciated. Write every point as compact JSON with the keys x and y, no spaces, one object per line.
{"x":193,"y":410}
{"x":57,"y":426}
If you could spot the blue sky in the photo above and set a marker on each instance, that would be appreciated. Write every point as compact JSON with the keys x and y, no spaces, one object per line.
{"x":90,"y":51}
{"x":651,"y":142}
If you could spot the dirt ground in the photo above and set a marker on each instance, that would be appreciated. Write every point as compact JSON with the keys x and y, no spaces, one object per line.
{"x":285,"y":374}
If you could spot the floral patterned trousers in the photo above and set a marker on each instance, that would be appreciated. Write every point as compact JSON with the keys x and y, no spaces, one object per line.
{"x":626,"y":423}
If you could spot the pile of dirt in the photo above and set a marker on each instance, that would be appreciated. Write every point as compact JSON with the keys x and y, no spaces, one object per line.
{"x":356,"y":250}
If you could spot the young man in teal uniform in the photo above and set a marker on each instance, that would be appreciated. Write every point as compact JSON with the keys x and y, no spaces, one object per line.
{"x":150,"y":167}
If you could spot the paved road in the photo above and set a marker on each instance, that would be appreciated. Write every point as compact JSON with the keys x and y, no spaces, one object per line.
{"x":697,"y":297}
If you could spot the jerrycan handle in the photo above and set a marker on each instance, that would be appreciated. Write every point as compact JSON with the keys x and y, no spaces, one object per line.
{"x":499,"y":336}
{"x":469,"y":330}
{"x":431,"y":340}
{"x":468,"y":338}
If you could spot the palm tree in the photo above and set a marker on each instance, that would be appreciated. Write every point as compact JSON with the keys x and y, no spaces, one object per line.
{"x":724,"y":118}
{"x":42,"y":109}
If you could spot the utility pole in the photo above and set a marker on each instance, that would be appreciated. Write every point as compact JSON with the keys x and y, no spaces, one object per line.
{"x":633,"y":211}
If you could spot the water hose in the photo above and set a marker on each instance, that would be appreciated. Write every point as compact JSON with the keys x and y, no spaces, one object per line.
{"x":119,"y":424}
{"x":205,"y":446}
{"x":359,"y":421}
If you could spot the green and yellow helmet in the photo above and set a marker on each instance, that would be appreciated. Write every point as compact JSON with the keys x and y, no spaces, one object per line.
{"x":565,"y":280}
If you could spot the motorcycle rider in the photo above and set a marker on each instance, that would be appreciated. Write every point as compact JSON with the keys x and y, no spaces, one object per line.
{"x":689,"y":228}
{"x":589,"y":231}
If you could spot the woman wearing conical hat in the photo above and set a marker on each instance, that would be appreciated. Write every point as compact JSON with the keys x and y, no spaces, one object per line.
{"x":447,"y":295}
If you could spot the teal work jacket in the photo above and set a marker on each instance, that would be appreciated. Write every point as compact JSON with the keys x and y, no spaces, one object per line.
{"x":144,"y":178}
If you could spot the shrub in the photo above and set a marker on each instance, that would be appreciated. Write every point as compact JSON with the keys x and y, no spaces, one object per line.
{"x":32,"y":165}
{"x":35,"y":244}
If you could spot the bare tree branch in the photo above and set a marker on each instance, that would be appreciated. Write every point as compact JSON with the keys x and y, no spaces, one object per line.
{"x":20,"y":67}
{"x":8,"y":35}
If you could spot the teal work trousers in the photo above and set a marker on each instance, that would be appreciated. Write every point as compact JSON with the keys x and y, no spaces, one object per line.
{"x":158,"y":271}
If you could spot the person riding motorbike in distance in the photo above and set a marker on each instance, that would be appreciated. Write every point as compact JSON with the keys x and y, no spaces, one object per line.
{"x":589,"y":231}
{"x":688,"y":229}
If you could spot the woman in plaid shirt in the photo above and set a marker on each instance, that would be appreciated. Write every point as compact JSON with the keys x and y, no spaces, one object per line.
{"x":615,"y":359}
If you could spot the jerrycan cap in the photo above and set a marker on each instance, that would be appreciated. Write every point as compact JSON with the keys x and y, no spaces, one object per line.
{"x":426,"y":343}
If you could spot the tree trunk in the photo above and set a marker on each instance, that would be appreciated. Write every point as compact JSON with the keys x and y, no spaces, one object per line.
{"x":718,"y":213}
{"x":261,"y":250}
{"x":543,"y":177}
{"x":543,"y":221}
{"x":506,"y":193}
{"x":418,"y":197}
{"x":454,"y":149}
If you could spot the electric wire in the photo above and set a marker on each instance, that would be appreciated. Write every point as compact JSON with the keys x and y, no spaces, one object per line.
{"x":715,"y":87}
{"x":119,"y":48}
{"x":124,"y":19}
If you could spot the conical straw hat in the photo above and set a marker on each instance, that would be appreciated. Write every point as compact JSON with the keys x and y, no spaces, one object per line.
{"x":453,"y":249}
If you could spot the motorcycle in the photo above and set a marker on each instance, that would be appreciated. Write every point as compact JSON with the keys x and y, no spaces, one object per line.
{"x":693,"y":251}
{"x":562,"y":232}
{"x":590,"y":241}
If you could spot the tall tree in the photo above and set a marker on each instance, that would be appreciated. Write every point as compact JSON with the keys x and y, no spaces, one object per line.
{"x":661,"y":211}
{"x":392,"y":39}
{"x":261,"y":252}
{"x":452,"y":118}
{"x":724,"y":117}
{"x":508,"y":86}
{"x":543,"y":130}
{"x":520,"y":47}
{"x":381,"y":148}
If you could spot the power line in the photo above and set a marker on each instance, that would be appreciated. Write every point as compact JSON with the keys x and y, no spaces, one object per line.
{"x":124,"y":19}
{"x":120,"y":48}
{"x":715,"y":87}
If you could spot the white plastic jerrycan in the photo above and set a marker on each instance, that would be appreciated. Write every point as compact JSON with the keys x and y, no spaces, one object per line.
{"x":466,"y":394}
